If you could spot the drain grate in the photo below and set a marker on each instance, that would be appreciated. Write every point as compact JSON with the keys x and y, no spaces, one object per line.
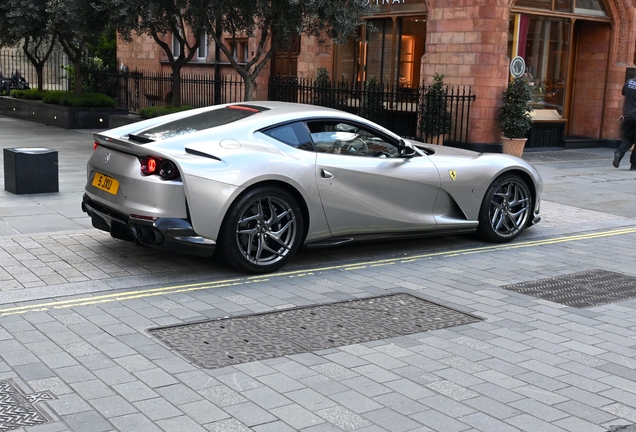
{"x":225,"y":342}
{"x":581,"y":290}
{"x":17,"y":410}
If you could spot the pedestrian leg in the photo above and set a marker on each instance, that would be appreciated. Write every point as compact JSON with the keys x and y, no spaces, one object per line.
{"x":628,"y":137}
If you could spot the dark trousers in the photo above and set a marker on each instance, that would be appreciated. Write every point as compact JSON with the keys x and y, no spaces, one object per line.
{"x":628,"y":138}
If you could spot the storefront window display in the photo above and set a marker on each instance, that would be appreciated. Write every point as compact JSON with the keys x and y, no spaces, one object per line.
{"x":543,"y":43}
{"x":389,"y":49}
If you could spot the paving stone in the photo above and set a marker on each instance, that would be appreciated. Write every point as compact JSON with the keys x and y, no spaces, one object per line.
{"x":178,"y":424}
{"x":203,"y":412}
{"x":69,"y":404}
{"x":93,"y":389}
{"x":113,"y":406}
{"x":344,"y":419}
{"x":157,"y":409}
{"x":135,"y":422}
{"x":222,"y":396}
{"x":538,"y":409}
{"x":452,"y":390}
{"x":356,"y":402}
{"x":400,"y":403}
{"x":229,"y":425}
{"x":296,"y":416}
{"x":87,"y":422}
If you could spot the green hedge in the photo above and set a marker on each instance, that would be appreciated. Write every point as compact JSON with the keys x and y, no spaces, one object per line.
{"x":32,"y":94}
{"x":156,"y":111}
{"x":85,"y":100}
{"x":66,"y":98}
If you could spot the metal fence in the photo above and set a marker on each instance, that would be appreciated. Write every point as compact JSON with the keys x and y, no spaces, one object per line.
{"x":142,"y":89}
{"x":55,"y":77}
{"x":409,"y":112}
{"x":405,"y":111}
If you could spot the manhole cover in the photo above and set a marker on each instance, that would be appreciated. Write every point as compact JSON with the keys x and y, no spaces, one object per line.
{"x":225,"y":342}
{"x":17,"y":410}
{"x":581,"y":290}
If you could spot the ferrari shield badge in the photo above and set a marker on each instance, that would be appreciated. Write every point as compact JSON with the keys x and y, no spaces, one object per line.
{"x":452,"y":174}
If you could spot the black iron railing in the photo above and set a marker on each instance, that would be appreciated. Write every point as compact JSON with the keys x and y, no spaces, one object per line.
{"x":54,"y":73}
{"x":142,"y":89}
{"x":422,"y":113}
{"x":410,"y":112}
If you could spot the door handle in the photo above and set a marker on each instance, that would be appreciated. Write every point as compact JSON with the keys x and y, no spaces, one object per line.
{"x":325,"y":174}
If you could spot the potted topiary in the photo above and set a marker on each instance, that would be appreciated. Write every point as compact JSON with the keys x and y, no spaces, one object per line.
{"x":514,"y":117}
{"x":435,"y":121}
{"x":372,"y":103}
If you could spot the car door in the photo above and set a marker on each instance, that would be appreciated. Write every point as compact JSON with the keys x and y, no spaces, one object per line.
{"x":365,"y":186}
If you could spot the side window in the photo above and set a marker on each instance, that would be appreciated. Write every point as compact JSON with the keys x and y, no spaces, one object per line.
{"x":292,"y":134}
{"x":350,"y":139}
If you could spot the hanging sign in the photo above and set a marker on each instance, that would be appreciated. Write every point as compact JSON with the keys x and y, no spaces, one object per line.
{"x":517,"y":66}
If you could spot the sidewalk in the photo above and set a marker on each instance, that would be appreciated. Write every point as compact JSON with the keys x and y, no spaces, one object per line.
{"x":84,"y":344}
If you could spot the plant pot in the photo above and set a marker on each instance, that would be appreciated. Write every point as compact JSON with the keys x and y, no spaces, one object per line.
{"x":513,"y":146}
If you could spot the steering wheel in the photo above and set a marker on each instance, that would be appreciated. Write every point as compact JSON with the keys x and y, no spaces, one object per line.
{"x":356,"y":146}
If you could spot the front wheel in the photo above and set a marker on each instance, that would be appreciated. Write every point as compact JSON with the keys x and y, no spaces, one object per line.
{"x":262,"y":231}
{"x":505,"y":210}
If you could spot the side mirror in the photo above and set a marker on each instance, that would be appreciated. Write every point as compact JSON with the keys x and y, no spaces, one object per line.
{"x":405,"y":151}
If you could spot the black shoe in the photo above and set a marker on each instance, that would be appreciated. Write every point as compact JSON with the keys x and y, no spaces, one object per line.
{"x":617,"y":160}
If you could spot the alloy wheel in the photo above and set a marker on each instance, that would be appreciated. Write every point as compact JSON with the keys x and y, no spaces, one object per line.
{"x":266,"y":230}
{"x":510,"y":208}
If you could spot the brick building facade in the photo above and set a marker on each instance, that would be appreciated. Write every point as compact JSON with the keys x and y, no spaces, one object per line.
{"x":577,"y":54}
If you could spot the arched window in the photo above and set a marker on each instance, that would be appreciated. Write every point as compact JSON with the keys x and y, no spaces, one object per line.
{"x":582,"y":7}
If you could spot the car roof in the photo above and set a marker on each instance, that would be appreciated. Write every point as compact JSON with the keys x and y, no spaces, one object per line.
{"x":292,"y":110}
{"x":280,"y":112}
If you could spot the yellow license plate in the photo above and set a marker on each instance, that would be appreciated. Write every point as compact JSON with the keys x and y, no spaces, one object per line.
{"x":105,"y":183}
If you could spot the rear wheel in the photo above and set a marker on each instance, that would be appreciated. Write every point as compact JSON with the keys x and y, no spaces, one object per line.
{"x":505,"y":210}
{"x":262,"y":231}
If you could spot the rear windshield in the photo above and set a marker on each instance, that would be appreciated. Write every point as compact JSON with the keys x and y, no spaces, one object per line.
{"x":197,"y":122}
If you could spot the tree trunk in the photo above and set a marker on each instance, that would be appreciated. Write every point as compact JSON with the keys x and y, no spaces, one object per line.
{"x":39,"y":70}
{"x":77,"y":66}
{"x":250,"y":87}
{"x":176,"y":85}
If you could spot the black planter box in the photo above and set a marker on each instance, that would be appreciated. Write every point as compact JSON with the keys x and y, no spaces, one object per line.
{"x":58,"y":115}
{"x":30,"y":170}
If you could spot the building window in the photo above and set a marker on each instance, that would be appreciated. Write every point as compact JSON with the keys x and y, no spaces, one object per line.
{"x":583,"y":7}
{"x":239,"y":51}
{"x":378,"y":51}
{"x":411,"y":49}
{"x":543,"y":42}
{"x":176,"y":45}
{"x":202,"y":52}
{"x":392,"y":53}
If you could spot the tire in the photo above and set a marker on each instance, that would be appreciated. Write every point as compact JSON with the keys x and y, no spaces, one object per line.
{"x":505,"y":210}
{"x":262,"y":231}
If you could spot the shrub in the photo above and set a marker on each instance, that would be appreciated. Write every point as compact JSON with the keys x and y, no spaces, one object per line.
{"x":85,"y":100}
{"x":371,"y":105}
{"x":514,"y":117}
{"x":32,"y":94}
{"x":434,"y":116}
{"x":156,"y":111}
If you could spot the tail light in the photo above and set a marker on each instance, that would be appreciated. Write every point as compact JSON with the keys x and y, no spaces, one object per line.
{"x":164,"y":168}
{"x":95,"y":145}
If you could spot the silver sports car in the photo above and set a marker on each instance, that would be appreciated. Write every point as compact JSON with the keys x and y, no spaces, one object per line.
{"x":253,"y":182}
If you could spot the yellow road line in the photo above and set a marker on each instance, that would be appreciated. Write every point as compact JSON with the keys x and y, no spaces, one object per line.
{"x":242,"y":280}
